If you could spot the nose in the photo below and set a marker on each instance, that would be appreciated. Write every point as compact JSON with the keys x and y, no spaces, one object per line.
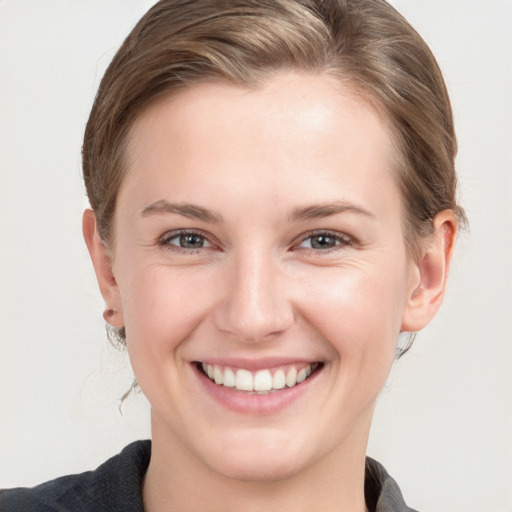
{"x":255,"y":306}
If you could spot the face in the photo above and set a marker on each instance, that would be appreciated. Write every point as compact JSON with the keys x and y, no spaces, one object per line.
{"x":258,"y":239}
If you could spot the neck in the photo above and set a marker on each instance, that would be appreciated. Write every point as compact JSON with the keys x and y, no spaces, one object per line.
{"x":178,"y":481}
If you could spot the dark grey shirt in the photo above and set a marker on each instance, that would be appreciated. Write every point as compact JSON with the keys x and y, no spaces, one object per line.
{"x":116,"y":487}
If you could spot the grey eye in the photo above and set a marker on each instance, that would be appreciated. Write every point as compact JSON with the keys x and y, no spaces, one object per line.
{"x":187,"y":240}
{"x":191,"y":241}
{"x":323,"y":241}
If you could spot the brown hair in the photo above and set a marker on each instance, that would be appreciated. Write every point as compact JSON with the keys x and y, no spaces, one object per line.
{"x":366,"y":43}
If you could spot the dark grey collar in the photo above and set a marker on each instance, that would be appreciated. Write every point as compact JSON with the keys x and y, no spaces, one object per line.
{"x":382,"y":493}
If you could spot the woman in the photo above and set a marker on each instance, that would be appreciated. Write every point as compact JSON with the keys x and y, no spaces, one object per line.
{"x":273,"y":203}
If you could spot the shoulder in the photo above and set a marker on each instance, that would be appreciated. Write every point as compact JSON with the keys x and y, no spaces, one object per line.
{"x":382,"y":493}
{"x":115,"y":485}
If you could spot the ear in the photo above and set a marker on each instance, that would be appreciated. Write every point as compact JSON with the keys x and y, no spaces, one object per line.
{"x":103,"y":267}
{"x":431,"y":273}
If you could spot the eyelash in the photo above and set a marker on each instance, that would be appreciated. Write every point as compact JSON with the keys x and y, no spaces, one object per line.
{"x":340,"y":240}
{"x":166,"y":239}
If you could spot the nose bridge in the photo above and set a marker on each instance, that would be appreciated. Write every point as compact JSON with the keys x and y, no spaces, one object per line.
{"x":255,"y":305}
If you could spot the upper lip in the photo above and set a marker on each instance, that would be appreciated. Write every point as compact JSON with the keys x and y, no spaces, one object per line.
{"x":257,"y":364}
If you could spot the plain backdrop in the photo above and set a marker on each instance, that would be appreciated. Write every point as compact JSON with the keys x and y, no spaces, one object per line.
{"x":444,"y":420}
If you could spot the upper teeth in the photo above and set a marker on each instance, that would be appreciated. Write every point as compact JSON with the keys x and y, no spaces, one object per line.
{"x":262,"y":380}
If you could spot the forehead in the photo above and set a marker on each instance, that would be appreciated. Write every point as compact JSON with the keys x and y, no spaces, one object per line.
{"x":310,"y":93}
{"x":292,"y":126}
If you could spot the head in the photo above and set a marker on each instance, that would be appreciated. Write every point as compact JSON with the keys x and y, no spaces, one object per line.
{"x":204,"y":93}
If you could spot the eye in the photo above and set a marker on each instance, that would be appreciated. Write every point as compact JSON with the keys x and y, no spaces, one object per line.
{"x":325,"y":240}
{"x":186,"y":240}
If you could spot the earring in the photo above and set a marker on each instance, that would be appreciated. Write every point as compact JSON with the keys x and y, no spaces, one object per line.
{"x":116,"y":335}
{"x":404,"y":343}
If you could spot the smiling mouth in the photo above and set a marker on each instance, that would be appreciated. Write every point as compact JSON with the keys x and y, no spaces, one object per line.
{"x":263,"y":381}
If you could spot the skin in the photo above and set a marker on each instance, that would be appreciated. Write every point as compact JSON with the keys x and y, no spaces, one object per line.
{"x":261,"y":287}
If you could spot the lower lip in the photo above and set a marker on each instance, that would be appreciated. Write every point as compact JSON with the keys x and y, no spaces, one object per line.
{"x":247,"y":403}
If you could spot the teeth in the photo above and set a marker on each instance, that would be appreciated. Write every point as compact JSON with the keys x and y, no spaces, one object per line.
{"x":279,"y":380}
{"x":291,"y":378}
{"x":261,"y":382}
{"x":217,"y":375}
{"x":301,"y":376}
{"x":244,"y":380}
{"x":229,"y":378}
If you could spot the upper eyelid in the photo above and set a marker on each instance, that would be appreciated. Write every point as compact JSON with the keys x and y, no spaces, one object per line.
{"x":344,"y":241}
{"x":326,"y":232}
{"x":169,"y":235}
{"x":177,"y":232}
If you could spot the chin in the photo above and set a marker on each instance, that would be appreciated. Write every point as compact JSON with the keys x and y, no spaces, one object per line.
{"x":258,"y":460}
{"x":257,"y":469}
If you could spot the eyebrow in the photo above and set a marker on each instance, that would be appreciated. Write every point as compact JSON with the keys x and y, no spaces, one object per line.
{"x":190,"y":211}
{"x":318,"y":211}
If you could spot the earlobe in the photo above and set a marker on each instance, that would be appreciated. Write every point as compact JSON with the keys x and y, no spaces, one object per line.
{"x":431,"y":274}
{"x":103,"y":267}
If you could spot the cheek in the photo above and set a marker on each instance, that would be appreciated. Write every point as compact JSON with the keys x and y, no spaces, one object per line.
{"x":162,"y":306}
{"x":161,"y":310}
{"x":358,"y":312}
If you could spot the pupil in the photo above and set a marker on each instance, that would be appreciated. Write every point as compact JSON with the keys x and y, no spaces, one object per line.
{"x":322,"y":241}
{"x":191,"y":241}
